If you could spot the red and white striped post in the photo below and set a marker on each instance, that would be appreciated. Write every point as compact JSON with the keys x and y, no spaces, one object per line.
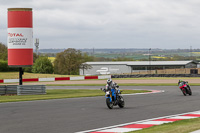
{"x":20,"y":38}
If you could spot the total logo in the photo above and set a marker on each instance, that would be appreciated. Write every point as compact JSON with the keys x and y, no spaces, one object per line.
{"x":15,"y":35}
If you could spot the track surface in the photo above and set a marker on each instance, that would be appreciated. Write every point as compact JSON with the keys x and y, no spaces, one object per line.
{"x":80,"y":114}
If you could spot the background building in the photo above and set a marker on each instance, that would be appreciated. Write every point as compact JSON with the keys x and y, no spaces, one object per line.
{"x":122,"y":67}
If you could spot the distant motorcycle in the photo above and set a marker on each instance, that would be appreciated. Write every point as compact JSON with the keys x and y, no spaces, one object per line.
{"x":185,"y":88}
{"x":113,"y":98}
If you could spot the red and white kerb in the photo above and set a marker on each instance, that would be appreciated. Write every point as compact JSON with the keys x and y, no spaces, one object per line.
{"x":20,"y":37}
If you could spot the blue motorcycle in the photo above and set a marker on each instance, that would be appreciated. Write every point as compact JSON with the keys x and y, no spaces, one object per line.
{"x":113,"y":98}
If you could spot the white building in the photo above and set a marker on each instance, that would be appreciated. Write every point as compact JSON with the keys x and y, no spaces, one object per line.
{"x":121,"y":67}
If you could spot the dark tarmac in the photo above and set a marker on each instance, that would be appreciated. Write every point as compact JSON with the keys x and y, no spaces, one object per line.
{"x":80,"y":114}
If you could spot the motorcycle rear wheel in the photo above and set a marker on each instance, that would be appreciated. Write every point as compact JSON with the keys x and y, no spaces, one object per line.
{"x":109,"y":104}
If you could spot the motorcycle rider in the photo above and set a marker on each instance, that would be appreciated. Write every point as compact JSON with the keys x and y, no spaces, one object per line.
{"x":184,"y":82}
{"x":180,"y":81}
{"x":181,"y":84}
{"x":111,"y":85}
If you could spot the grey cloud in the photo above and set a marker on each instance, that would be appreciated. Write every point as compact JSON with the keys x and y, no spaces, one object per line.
{"x":111,"y":23}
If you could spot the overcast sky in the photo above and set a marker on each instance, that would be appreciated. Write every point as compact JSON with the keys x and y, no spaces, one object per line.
{"x":110,"y":23}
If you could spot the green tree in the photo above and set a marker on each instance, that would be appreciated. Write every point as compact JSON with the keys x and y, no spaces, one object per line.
{"x":69,"y":62}
{"x":42,"y":65}
{"x":29,"y":69}
{"x":84,"y":67}
{"x":3,"y":52}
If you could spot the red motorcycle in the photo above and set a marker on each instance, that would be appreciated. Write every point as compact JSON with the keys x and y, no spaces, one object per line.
{"x":185,"y":88}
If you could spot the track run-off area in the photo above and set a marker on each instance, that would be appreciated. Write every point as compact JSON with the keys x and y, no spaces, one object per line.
{"x":85,"y":114}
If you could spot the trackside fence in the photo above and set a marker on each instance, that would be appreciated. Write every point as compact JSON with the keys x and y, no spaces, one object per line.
{"x":22,"y":89}
{"x":31,"y":89}
{"x":8,"y":89}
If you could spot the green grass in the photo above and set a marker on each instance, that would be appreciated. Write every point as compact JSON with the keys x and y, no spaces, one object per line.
{"x":183,"y":126}
{"x":126,"y":84}
{"x":60,"y":94}
{"x":112,"y":56}
{"x":156,"y":84}
{"x":15,"y":75}
{"x":75,"y":84}
{"x":160,"y":78}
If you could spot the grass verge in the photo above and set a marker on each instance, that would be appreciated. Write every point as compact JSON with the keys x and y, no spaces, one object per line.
{"x":15,"y":75}
{"x":143,"y":78}
{"x":60,"y":94}
{"x":183,"y":126}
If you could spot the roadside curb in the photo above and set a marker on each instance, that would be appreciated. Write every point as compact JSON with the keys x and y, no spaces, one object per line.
{"x":197,"y":131}
{"x":54,"y":79}
{"x":152,"y":91}
{"x":138,"y":125}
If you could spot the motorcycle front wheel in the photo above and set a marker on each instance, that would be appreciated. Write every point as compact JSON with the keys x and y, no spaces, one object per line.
{"x":109,"y":104}
{"x":121,"y":102}
{"x":184,"y":92}
{"x":189,"y":91}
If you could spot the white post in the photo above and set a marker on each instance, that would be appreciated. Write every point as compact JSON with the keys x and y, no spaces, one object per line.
{"x":37,"y":45}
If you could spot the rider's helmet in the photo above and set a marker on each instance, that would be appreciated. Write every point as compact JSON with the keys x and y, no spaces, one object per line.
{"x":180,"y":81}
{"x":109,"y":81}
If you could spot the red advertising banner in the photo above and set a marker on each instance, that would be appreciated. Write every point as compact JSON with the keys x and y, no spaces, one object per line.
{"x":20,"y":37}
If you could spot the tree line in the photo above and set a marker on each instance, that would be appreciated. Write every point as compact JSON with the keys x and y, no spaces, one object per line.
{"x":67,"y":62}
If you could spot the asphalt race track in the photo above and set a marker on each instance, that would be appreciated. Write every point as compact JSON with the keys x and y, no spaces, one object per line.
{"x":80,"y":114}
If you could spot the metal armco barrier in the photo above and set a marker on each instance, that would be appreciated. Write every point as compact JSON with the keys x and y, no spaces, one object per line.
{"x":31,"y":89}
{"x":8,"y":89}
{"x":2,"y":90}
{"x":22,"y":89}
{"x":11,"y":89}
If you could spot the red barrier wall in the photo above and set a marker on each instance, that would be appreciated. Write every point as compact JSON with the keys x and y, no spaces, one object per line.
{"x":29,"y":80}
{"x":91,"y":77}
{"x":62,"y":78}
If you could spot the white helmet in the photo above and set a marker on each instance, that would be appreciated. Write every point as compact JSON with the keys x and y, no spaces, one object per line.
{"x":109,"y":81}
